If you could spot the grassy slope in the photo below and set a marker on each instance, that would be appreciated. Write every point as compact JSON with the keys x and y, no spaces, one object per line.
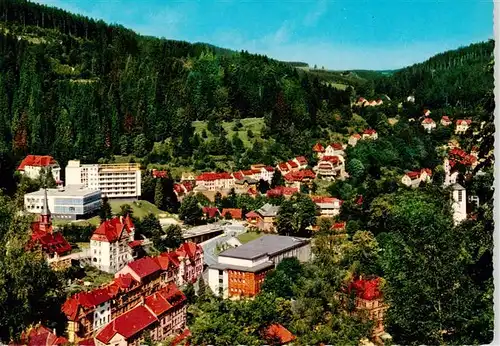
{"x":254,"y":124}
{"x":248,"y":236}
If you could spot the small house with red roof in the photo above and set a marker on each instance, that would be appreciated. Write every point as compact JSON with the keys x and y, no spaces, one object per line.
{"x":362,"y":101}
{"x":283,"y":167}
{"x":335,"y":149}
{"x":428,"y":124}
{"x":296,"y":179}
{"x":327,"y":206}
{"x":181,"y":339}
{"x":330,"y":167}
{"x":414,"y":178}
{"x":462,"y":125}
{"x":445,"y":120}
{"x":301,"y":161}
{"x":109,"y":244}
{"x":276,"y":334}
{"x":318,"y":149}
{"x":370,"y":134}
{"x":279,"y":191}
{"x":426,"y":112}
{"x":233,"y":213}
{"x":32,"y":165}
{"x":215,"y":181}
{"x":182,"y":189}
{"x":211,"y":212}
{"x":292,"y":165}
{"x":353,"y":139}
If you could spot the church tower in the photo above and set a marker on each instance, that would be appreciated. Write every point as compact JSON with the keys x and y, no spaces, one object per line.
{"x":45,"y":217}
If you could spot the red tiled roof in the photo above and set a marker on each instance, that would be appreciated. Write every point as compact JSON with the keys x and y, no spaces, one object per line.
{"x":159,"y":174}
{"x":269,"y":169}
{"x":37,"y":161}
{"x":413,"y":175}
{"x":369,"y":132}
{"x":337,"y":146}
{"x":292,"y":164}
{"x":325,"y":199}
{"x":464,"y":122}
{"x":157,"y":303}
{"x":361,"y":99}
{"x":86,"y":300}
{"x":124,"y":281}
{"x":331,"y":159}
{"x":356,"y":135}
{"x":135,"y":243}
{"x":252,"y":191}
{"x":301,"y":160}
{"x":189,"y":248}
{"x":44,"y":336}
{"x":366,"y":289}
{"x":181,"y":337}
{"x":318,"y":148}
{"x":49,"y":242}
{"x":428,"y":171}
{"x":238,"y":175}
{"x":210,"y":176}
{"x":281,"y":190}
{"x":235,"y":213}
{"x":300,"y":175}
{"x":445,"y":118}
{"x":247,"y":172}
{"x":252,"y":215}
{"x":111,"y":230}
{"x":87,"y":342}
{"x":211,"y":211}
{"x":128,"y":324}
{"x":457,"y":152}
{"x":276,"y":332}
{"x":283,"y":167}
{"x":172,"y":293}
{"x":428,"y":121}
{"x":338,"y":226}
{"x":144,"y":266}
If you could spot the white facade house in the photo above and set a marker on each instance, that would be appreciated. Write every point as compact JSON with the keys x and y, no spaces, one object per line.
{"x":462,"y":126}
{"x":121,"y":180}
{"x":335,"y":149}
{"x":71,"y":202}
{"x":102,"y":315}
{"x":428,"y":124}
{"x":32,"y":165}
{"x":253,"y":257}
{"x":109,"y":245}
{"x":459,"y":203}
{"x":353,"y":140}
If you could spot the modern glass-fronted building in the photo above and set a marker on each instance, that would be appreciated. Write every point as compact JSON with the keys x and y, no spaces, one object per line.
{"x":70,"y":203}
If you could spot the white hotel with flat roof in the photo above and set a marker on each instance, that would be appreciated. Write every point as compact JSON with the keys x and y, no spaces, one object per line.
{"x":71,"y":202}
{"x":117,"y":180}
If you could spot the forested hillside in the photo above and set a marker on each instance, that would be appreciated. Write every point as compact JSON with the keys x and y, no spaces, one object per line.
{"x":457,"y":78}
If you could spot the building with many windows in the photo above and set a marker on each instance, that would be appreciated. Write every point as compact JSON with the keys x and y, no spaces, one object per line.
{"x":118,"y":180}
{"x":241,"y":271}
{"x":70,"y":203}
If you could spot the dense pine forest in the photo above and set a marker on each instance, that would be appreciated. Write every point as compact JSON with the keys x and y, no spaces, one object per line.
{"x":73,"y":87}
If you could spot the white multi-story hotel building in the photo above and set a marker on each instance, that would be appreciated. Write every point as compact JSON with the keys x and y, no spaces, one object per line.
{"x":118,"y":180}
{"x":71,"y":202}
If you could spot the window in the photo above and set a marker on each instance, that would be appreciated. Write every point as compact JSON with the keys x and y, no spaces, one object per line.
{"x":459,"y":196}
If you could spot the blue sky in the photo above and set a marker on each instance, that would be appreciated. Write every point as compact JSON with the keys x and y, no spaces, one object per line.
{"x":343,"y":34}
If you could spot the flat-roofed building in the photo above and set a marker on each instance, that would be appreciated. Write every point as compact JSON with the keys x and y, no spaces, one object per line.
{"x":118,"y":180}
{"x":240,"y":272}
{"x":70,"y":203}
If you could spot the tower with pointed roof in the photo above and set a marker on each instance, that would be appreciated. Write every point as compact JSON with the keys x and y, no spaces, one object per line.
{"x":45,"y":217}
